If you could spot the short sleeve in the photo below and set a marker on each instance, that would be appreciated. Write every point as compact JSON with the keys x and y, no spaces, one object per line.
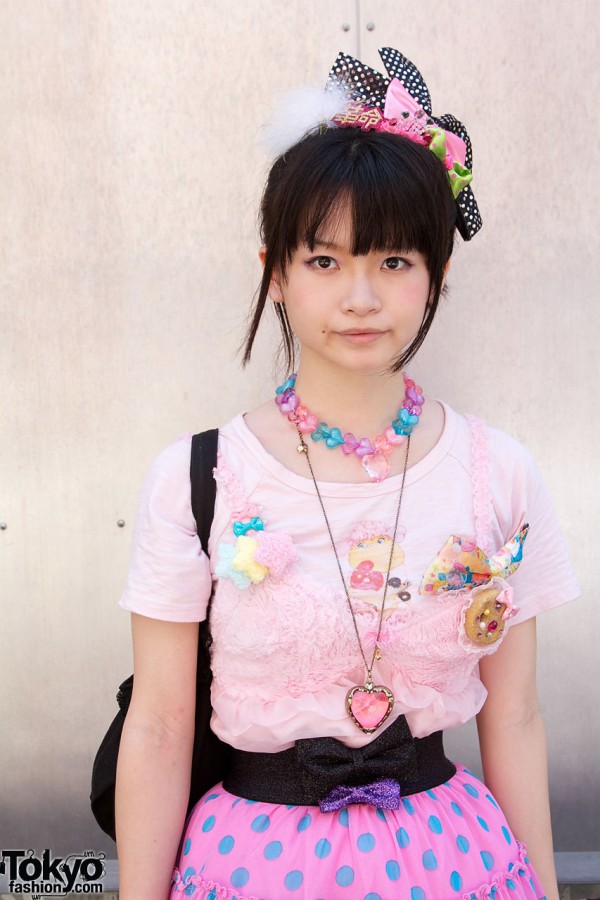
{"x":169,"y":576}
{"x":545,"y":576}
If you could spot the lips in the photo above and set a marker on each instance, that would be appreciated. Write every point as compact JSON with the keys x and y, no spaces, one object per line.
{"x":361,"y":335}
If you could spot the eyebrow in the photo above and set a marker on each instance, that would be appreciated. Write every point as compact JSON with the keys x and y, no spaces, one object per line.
{"x":327,"y":245}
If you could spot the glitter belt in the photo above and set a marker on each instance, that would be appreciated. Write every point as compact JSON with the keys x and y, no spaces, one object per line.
{"x":324,"y":772}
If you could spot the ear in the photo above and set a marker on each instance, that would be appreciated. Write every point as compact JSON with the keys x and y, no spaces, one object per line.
{"x":275,"y":292}
{"x":446,"y":270}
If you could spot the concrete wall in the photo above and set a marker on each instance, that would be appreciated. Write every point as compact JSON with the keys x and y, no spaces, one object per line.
{"x":130,"y":174}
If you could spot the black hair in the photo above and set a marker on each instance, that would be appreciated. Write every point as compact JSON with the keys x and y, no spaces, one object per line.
{"x":398,"y":196}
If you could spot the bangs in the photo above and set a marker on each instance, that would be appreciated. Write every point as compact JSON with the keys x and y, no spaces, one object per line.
{"x":395,"y":191}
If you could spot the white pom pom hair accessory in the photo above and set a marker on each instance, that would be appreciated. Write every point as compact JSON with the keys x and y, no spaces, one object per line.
{"x":301,"y":111}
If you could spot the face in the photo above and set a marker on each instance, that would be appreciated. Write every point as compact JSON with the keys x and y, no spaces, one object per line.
{"x":352,"y":312}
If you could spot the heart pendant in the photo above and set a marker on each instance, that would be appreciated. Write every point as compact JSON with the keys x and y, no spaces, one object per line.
{"x":369,"y":705}
{"x":377,"y":466}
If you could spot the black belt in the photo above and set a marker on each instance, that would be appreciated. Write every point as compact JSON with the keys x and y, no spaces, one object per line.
{"x":324,"y":772}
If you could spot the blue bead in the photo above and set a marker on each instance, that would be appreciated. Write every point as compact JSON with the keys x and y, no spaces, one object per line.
{"x":260,"y":823}
{"x":392,"y":869}
{"x":226,"y":844}
{"x":209,"y":824}
{"x":429,"y":861}
{"x":304,"y":822}
{"x":273,"y":850}
{"x":240,"y":877}
{"x":322,"y":848}
{"x":344,"y":876}
{"x":293,"y":880}
{"x":402,"y":838}
{"x":487,"y":859}
{"x":456,"y":881}
{"x":365,"y":842}
{"x":435,"y":825}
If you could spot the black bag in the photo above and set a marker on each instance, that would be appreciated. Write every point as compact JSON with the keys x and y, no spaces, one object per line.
{"x":210,"y":756}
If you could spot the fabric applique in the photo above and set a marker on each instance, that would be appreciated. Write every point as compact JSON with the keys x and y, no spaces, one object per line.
{"x":369,"y":558}
{"x":256,"y":553}
{"x":461,"y":563}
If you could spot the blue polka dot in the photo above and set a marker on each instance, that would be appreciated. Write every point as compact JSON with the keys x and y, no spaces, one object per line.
{"x":429,"y":860}
{"x":456,"y":881}
{"x":380,"y":815}
{"x":293,"y":880}
{"x":365,"y":842}
{"x":462,"y":843}
{"x":236,"y":801}
{"x":240,"y":877}
{"x":343,"y":817}
{"x":408,"y":806}
{"x":492,"y":801}
{"x":456,"y":809}
{"x":322,"y":848}
{"x":402,"y":838}
{"x":417,"y":893}
{"x":392,"y":869}
{"x":483,"y":823}
{"x":435,"y":825}
{"x":432,"y":795}
{"x":506,"y":834}
{"x":210,"y":797}
{"x":209,"y":824}
{"x":510,"y":884}
{"x":345,"y":876}
{"x":226,"y":844}
{"x":273,"y":850}
{"x":471,"y":790}
{"x":487,"y":859}
{"x":260,"y":823}
{"x":188,"y":873}
{"x":188,"y":847}
{"x":250,"y":802}
{"x":212,"y":896}
{"x":304,"y":822}
{"x":372,"y":896}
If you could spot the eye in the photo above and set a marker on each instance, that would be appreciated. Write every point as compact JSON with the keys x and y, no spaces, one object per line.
{"x":396,"y":262}
{"x":322,"y":262}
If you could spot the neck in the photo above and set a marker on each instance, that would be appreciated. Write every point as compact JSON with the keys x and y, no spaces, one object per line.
{"x":351,"y":401}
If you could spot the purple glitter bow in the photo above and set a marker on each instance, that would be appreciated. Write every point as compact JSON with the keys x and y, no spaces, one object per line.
{"x":385,"y":794}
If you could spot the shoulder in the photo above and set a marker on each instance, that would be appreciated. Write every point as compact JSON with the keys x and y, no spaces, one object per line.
{"x":477,"y":442}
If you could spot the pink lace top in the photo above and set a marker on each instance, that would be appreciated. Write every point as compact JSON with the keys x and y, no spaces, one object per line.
{"x":284,"y":648}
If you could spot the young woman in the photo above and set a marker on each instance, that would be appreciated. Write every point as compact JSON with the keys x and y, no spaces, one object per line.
{"x":376,"y":562}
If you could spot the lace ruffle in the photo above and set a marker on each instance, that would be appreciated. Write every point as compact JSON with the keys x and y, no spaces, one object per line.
{"x":482,"y":501}
{"x":517,"y":881}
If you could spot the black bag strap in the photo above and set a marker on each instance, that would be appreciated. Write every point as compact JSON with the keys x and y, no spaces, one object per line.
{"x":203,"y":459}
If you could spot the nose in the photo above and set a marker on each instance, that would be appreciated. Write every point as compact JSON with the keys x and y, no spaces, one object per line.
{"x":360,"y":296}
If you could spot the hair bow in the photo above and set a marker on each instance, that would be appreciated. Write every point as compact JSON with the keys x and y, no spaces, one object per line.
{"x":401,"y":103}
{"x":462,"y":564}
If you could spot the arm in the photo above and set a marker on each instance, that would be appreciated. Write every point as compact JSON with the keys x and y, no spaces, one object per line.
{"x":153,"y":770}
{"x":513,"y":747}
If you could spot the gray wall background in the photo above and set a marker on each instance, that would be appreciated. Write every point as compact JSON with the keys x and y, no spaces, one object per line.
{"x":130,"y":172}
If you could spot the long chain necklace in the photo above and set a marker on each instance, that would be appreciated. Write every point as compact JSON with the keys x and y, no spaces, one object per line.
{"x":368,"y":704}
{"x":375,"y":456}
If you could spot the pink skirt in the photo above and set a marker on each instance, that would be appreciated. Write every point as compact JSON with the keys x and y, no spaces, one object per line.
{"x":450,"y":842}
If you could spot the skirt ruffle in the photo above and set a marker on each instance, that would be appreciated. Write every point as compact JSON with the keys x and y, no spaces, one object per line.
{"x":450,"y":843}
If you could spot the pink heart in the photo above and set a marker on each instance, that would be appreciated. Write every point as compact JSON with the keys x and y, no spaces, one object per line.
{"x":370,"y":707}
{"x":307,"y":424}
{"x":350,"y":443}
{"x":377,"y":466}
{"x":364,"y":447}
{"x":393,"y":438}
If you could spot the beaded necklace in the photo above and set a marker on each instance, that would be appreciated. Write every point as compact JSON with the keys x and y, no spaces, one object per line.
{"x":375,"y":456}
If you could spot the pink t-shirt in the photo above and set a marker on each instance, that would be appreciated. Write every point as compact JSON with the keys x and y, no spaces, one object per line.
{"x":284,"y":648}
